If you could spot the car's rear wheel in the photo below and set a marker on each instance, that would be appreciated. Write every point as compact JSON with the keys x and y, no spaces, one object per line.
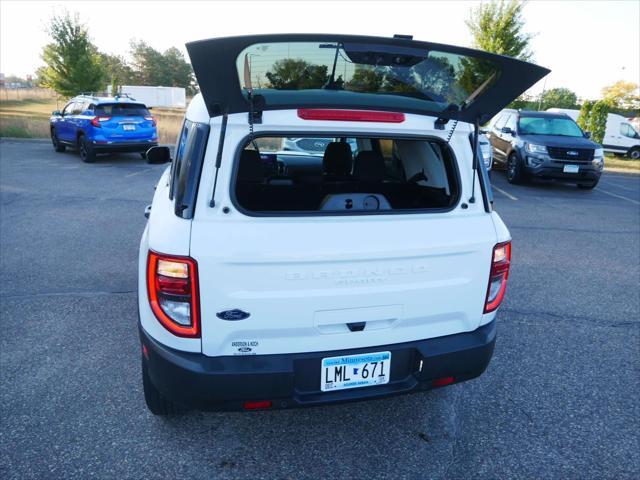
{"x":515,"y":170}
{"x":87,"y":154}
{"x":157,"y":403}
{"x":57,"y":146}
{"x":587,"y":186}
{"x":634,"y":153}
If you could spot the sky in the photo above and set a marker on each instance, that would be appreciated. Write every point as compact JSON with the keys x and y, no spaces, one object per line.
{"x":586,"y":44}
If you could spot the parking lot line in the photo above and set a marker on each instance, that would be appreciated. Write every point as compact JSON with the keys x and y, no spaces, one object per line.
{"x":609,"y":184}
{"x":508,"y":195}
{"x":618,"y":196}
{"x":136,"y":173}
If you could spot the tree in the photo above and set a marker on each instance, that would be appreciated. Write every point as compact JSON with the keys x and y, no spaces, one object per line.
{"x":497,"y":27}
{"x":593,"y":118}
{"x":117,"y":71}
{"x":598,"y":120}
{"x":585,"y":115}
{"x":151,"y":67}
{"x":622,"y":95}
{"x":72,"y":62}
{"x":559,"y":98}
{"x":294,"y":74}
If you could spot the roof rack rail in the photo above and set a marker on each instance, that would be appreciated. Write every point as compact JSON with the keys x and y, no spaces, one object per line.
{"x":106,"y":94}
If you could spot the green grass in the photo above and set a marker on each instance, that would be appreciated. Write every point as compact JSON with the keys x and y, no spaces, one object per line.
{"x":29,"y":118}
{"x":15,"y":131}
{"x":621,"y":163}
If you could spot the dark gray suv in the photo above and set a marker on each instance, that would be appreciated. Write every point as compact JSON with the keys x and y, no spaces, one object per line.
{"x":545,"y":145}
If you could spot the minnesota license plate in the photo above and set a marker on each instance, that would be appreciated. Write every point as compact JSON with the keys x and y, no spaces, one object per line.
{"x":351,"y":371}
{"x":128,"y":127}
{"x":571,"y":169}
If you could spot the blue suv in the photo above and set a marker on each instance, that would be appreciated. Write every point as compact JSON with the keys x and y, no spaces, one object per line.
{"x":95,"y":125}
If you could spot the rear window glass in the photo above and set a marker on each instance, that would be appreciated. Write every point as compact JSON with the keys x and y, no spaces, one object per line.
{"x":345,"y":175}
{"x":448,"y":80}
{"x":122,"y":110}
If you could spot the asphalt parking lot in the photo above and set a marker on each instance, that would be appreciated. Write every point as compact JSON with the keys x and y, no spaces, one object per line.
{"x":559,"y":400}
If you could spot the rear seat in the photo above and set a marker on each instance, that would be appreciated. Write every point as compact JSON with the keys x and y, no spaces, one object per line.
{"x":337,"y":164}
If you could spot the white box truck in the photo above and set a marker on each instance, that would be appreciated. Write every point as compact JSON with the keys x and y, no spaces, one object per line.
{"x":168,"y":97}
{"x":620,"y":136}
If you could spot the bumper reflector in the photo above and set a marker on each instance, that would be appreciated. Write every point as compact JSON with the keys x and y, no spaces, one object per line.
{"x":259,"y":405}
{"x":441,"y":382}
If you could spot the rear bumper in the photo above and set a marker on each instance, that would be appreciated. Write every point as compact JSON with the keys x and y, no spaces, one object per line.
{"x":293,"y":380}
{"x":141,"y":146}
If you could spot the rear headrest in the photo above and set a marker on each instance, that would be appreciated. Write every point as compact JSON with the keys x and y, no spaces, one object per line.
{"x":368,"y":166}
{"x":337,"y":159}
{"x":251,"y":169}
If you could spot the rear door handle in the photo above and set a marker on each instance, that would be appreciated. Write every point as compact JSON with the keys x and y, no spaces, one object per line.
{"x":356,"y":326}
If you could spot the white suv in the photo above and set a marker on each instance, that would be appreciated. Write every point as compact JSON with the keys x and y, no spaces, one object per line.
{"x":272,"y":279}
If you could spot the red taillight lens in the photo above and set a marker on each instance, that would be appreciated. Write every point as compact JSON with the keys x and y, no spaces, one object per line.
{"x":259,"y":405}
{"x":172,"y":284}
{"x":151,"y":119}
{"x":95,"y":121}
{"x":500,"y":263}
{"x":350,"y":115}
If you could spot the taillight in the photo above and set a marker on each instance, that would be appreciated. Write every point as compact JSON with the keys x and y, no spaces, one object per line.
{"x":350,"y":115}
{"x":500,"y":263}
{"x":95,"y":121}
{"x":151,"y":119}
{"x":172,"y":283}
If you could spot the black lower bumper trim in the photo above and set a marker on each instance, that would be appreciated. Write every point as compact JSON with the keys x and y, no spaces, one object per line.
{"x":293,"y":380}
{"x":122,"y":147}
{"x":583,"y":176}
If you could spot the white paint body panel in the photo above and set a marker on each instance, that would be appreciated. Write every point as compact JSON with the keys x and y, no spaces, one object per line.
{"x":302,"y":279}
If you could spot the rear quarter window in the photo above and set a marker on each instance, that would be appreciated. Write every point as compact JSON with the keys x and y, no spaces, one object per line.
{"x":187,"y":166}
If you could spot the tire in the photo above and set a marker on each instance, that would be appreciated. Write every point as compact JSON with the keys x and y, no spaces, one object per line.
{"x":634,"y":153}
{"x":515,"y":169}
{"x":157,"y":403}
{"x":57,"y":146}
{"x":87,"y":155}
{"x":143,"y":155}
{"x":587,"y":186}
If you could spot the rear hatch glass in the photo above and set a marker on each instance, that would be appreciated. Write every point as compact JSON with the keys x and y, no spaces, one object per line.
{"x":343,"y":71}
{"x":408,"y":75}
{"x":122,"y":110}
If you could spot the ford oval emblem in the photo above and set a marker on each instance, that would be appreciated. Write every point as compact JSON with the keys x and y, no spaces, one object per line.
{"x":573,"y":153}
{"x":233,"y":315}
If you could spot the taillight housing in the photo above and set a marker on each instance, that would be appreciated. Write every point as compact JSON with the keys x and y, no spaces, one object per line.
{"x":151,"y":119}
{"x":350,"y":115}
{"x":172,"y":285}
{"x":95,"y":121}
{"x":500,"y":263}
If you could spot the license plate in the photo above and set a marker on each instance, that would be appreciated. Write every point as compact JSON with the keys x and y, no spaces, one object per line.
{"x":128,"y":127}
{"x":352,"y":371}
{"x":571,"y":169}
